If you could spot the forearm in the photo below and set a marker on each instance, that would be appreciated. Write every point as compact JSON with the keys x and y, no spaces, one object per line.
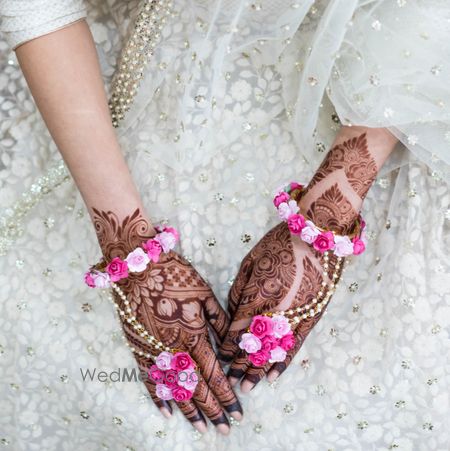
{"x":63,"y":74}
{"x":337,"y":190}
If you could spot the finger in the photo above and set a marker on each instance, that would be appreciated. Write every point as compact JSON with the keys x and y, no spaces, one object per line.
{"x":241,"y":280}
{"x":253,"y":375}
{"x":238,"y":368}
{"x":217,"y":318}
{"x":230,"y":346}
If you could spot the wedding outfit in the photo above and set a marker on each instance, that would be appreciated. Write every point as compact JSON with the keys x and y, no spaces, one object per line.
{"x":216,"y":104}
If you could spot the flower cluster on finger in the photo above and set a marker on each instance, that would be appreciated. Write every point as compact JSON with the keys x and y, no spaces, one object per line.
{"x":268,"y":339}
{"x":286,"y":203}
{"x":102,"y":274}
{"x":175,"y":376}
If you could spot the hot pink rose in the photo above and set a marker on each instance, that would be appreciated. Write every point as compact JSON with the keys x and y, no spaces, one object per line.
{"x":163,"y":392}
{"x":89,"y":280}
{"x":137,"y":260}
{"x":362,"y":223}
{"x":188,"y":379}
{"x":296,"y":223}
{"x":259,"y":358}
{"x":269,"y":342}
{"x":358,"y":246}
{"x":287,"y":342}
{"x":286,"y":209}
{"x":182,"y":361}
{"x":280,"y":198}
{"x":101,"y":279}
{"x":153,"y":249}
{"x":309,"y":232}
{"x":117,"y":269}
{"x":250,"y":343}
{"x":277,"y":355}
{"x":155,"y":374}
{"x":343,"y":247}
{"x":164,"y":360}
{"x":295,"y":185}
{"x":280,"y":326}
{"x":261,"y":326}
{"x":324,"y":242}
{"x":171,"y":378}
{"x":181,"y":394}
{"x":167,"y":241}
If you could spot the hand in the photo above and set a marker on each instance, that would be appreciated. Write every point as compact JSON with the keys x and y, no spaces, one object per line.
{"x":175,"y":305}
{"x":281,"y":272}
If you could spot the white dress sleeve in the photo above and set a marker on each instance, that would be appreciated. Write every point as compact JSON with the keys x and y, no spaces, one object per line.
{"x":23,"y":20}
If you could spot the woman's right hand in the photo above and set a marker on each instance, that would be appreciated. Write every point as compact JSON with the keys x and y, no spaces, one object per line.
{"x":175,"y":305}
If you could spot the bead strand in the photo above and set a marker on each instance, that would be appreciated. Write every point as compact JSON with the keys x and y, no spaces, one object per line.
{"x":138,"y":327}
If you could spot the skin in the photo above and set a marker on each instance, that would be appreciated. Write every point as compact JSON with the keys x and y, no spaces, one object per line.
{"x":282,"y":271}
{"x":63,"y":74}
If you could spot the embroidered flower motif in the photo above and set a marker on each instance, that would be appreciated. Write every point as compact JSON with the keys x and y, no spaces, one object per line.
{"x":137,"y":260}
{"x":241,"y":90}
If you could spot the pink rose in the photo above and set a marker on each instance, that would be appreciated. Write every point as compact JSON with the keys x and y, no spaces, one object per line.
{"x":362,"y":223}
{"x":268,"y":343}
{"x":280,"y":326}
{"x":167,"y":241}
{"x":309,"y":232}
{"x":171,"y":378}
{"x":358,"y":246}
{"x":343,"y":247}
{"x":261,"y":326}
{"x":117,"y":269}
{"x":163,"y":392}
{"x":249,"y":343}
{"x":164,"y":360}
{"x":181,"y":394}
{"x":295,"y":185}
{"x":324,"y":242}
{"x":188,"y":379}
{"x":101,"y":279}
{"x":182,"y":361}
{"x":89,"y":280}
{"x":296,"y":223}
{"x":153,"y":249}
{"x":287,"y":342}
{"x":173,"y":231}
{"x":277,"y":355}
{"x":280,"y":198}
{"x":155,"y":374}
{"x":286,"y":209}
{"x":137,"y":260}
{"x":259,"y":358}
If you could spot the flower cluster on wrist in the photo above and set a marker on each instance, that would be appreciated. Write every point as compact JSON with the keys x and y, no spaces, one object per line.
{"x":286,"y":202}
{"x":102,"y":274}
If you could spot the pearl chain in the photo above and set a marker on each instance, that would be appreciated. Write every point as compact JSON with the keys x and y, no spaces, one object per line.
{"x":138,"y":327}
{"x":316,"y":306}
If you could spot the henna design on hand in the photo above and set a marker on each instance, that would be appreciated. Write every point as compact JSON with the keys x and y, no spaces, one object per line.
{"x":174,"y":304}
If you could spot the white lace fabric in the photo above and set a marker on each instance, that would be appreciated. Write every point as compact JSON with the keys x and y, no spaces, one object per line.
{"x":239,"y":97}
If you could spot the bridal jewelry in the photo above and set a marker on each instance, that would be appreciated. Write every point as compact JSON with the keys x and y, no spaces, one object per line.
{"x":102,"y":274}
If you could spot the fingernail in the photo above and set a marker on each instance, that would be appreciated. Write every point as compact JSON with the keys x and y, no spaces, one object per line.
{"x":200,"y":426}
{"x":165,"y":411}
{"x":233,"y":381}
{"x":223,"y":429}
{"x":237,"y":415}
{"x":247,"y":386}
{"x":235,"y":410}
{"x":272,"y":376}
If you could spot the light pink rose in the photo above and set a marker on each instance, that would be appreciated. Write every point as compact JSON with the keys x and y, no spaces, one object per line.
{"x":269,"y":342}
{"x":181,"y":394}
{"x":261,"y":326}
{"x":250,"y":343}
{"x":167,"y":240}
{"x":188,"y":379}
{"x":155,"y":374}
{"x":89,"y":280}
{"x":309,"y":232}
{"x":358,"y":246}
{"x":324,"y":242}
{"x":163,"y":392}
{"x":117,"y":269}
{"x":286,"y":209}
{"x":137,"y":260}
{"x":277,"y":355}
{"x":287,"y":342}
{"x":280,"y":326}
{"x":296,"y":223}
{"x":153,"y":249}
{"x":173,"y":231}
{"x":164,"y":360}
{"x":259,"y":358}
{"x":280,"y":198}
{"x":181,"y":361}
{"x":101,"y":279}
{"x":343,"y":247}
